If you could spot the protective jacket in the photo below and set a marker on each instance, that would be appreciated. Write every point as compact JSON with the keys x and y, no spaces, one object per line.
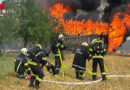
{"x":21,"y":65}
{"x":97,"y":50}
{"x":79,"y":61}
{"x":39,"y":59}
{"x":57,"y":44}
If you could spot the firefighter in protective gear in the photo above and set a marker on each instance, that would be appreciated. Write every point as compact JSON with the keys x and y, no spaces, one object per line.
{"x":58,"y":45}
{"x":79,"y":62}
{"x":21,"y":65}
{"x":37,"y":73}
{"x":37,"y":56}
{"x":98,"y":51}
{"x":42,"y":56}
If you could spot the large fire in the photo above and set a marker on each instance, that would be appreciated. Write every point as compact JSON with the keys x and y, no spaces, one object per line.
{"x":115,"y":30}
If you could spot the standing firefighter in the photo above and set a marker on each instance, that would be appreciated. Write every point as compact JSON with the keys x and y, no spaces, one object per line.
{"x":79,"y":62}
{"x":37,"y":56}
{"x":57,"y":47}
{"x":98,"y":51}
{"x":21,"y":65}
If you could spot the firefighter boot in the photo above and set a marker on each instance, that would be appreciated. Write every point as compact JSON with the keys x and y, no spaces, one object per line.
{"x":53,"y":70}
{"x":31,"y":81}
{"x":37,"y":84}
{"x":94,"y":77}
{"x":57,"y":71}
{"x":81,"y":75}
{"x":20,"y":76}
{"x":103,"y":77}
{"x":77,"y":74}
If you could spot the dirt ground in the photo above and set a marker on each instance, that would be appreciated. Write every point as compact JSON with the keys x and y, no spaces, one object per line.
{"x":117,"y":65}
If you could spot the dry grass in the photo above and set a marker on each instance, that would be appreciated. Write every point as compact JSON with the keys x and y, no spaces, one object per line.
{"x":117,"y":65}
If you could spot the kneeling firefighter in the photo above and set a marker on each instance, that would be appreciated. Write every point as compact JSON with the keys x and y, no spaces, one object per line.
{"x":38,"y":56}
{"x":79,"y":62}
{"x":98,"y":51}
{"x":21,"y":65}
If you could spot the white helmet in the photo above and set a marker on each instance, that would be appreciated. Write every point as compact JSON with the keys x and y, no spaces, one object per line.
{"x":93,"y":41}
{"x":84,"y":44}
{"x":60,"y":36}
{"x":24,"y":50}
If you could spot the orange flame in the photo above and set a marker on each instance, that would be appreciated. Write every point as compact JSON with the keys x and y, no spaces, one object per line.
{"x":116,"y":30}
{"x":119,"y":30}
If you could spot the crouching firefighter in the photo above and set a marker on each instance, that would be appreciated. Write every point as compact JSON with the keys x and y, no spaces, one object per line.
{"x":21,"y":65}
{"x":98,"y":51}
{"x":42,"y":57}
{"x":37,"y":56}
{"x":79,"y":62}
{"x":57,"y":47}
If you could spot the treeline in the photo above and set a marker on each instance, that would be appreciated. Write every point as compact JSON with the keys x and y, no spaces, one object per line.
{"x":28,"y":21}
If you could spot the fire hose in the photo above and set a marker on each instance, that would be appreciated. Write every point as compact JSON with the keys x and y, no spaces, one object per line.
{"x":67,"y":66}
{"x":90,"y":72}
{"x":62,"y":68}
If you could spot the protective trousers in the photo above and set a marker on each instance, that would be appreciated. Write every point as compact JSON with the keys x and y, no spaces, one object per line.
{"x":57,"y":64}
{"x":94,"y":66}
{"x":37,"y":75}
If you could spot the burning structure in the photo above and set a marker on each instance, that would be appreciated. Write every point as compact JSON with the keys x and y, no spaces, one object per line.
{"x":110,"y":18}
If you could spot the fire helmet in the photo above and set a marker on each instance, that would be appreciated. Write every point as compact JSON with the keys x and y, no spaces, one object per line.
{"x":24,"y":50}
{"x":93,"y":41}
{"x":60,"y":36}
{"x":84,"y":44}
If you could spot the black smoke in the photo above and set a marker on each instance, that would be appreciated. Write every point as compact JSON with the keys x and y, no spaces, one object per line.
{"x":90,"y":7}
{"x":87,"y":5}
{"x":114,"y":6}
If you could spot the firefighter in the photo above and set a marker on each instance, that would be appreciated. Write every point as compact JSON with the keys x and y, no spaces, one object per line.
{"x":58,"y":45}
{"x":98,"y":51}
{"x":79,"y":62}
{"x":37,"y":56}
{"x":21,"y":65}
{"x":42,"y":57}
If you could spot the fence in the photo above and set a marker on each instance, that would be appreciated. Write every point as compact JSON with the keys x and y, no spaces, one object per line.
{"x":73,"y":42}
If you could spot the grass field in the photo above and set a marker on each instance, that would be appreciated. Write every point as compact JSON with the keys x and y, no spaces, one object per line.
{"x":6,"y":65}
{"x":117,"y":65}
